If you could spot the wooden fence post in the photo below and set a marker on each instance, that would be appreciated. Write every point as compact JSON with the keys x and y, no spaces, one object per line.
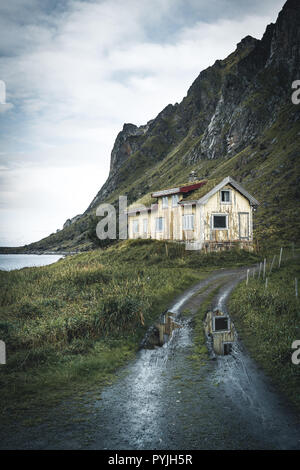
{"x":266,"y":286}
{"x":264,"y":272}
{"x":247,"y":277}
{"x":273,"y":261}
{"x":259,"y":270}
{"x":280,"y":256}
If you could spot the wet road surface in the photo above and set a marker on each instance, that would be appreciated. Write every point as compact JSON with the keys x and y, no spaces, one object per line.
{"x":165,"y":400}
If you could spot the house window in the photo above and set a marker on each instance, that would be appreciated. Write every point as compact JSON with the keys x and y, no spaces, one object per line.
{"x":135,"y":226}
{"x":159,"y":224}
{"x":226,"y":196}
{"x":220,"y":222}
{"x":221,"y":324}
{"x":165,"y":202}
{"x":175,"y":199}
{"x":188,"y":222}
{"x":145,"y":225}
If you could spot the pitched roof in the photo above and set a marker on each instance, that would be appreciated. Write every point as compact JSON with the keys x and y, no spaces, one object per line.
{"x":198,"y":191}
{"x":215,"y":185}
{"x":183,"y":188}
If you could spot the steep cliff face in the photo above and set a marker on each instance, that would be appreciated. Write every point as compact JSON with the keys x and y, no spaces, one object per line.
{"x":227,"y":108}
{"x":257,"y":88}
{"x":237,"y":119}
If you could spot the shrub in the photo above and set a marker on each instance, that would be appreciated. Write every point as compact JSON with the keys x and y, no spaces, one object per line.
{"x":123,"y":313}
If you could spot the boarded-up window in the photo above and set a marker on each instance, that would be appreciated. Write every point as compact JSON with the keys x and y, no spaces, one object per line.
{"x":219,"y":221}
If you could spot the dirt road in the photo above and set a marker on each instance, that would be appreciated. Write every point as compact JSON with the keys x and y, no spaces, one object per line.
{"x":165,"y":400}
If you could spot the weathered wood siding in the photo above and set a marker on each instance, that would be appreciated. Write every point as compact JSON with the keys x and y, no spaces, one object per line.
{"x":218,"y":337}
{"x":236,"y":223}
{"x":172,"y":221}
{"x":238,"y":211}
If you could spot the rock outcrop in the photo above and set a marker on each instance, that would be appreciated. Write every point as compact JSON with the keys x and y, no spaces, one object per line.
{"x":69,"y":222}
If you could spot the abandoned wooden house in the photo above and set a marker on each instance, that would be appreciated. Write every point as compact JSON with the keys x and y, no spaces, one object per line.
{"x":208,"y":214}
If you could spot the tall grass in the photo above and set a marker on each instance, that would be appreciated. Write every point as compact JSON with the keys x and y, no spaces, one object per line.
{"x":269,"y":321}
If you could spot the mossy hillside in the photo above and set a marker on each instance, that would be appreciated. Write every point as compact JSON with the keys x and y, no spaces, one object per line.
{"x":269,"y":169}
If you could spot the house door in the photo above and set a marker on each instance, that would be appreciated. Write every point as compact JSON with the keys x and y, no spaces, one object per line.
{"x":244,"y":225}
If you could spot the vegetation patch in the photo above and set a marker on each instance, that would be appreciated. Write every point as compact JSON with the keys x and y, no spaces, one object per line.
{"x":268,"y":321}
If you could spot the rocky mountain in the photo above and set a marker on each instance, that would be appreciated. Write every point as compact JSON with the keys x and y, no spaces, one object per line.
{"x":237,"y":119}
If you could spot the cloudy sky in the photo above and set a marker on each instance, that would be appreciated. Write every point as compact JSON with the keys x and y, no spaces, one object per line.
{"x":76,"y":70}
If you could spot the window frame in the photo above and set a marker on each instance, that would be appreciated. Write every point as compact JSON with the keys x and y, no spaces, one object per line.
{"x":135,"y":223}
{"x":219,"y":317}
{"x":219,"y":215}
{"x":145,"y":222}
{"x":165,"y":202}
{"x":188,"y":226}
{"x":175,"y":197}
{"x":230,"y":196}
{"x":157,"y":230}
